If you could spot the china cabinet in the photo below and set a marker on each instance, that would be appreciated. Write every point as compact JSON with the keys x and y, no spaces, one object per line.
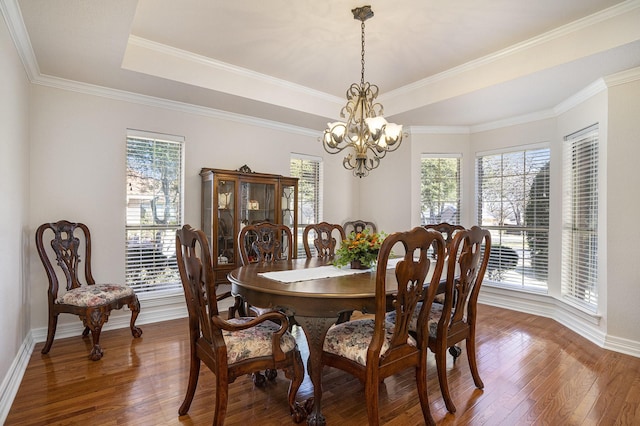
{"x":232,"y":199}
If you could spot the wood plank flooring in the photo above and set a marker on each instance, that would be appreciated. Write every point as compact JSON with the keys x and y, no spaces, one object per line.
{"x":535,"y":372}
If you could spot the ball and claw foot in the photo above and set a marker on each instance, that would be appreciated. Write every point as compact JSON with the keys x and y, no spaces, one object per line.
{"x":96,"y":353}
{"x":299,"y":413}
{"x":258,"y":379}
{"x":271,"y":374}
{"x":308,"y":405}
{"x":455,"y":352}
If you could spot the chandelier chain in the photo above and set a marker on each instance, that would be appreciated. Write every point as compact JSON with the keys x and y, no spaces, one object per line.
{"x":362,"y":56}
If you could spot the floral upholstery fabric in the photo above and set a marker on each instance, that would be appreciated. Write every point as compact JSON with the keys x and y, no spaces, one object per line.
{"x":351,"y":339}
{"x":255,"y":341}
{"x":434,"y":318}
{"x":94,"y":295}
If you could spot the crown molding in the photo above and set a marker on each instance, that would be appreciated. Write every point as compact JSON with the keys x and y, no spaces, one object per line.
{"x":622,"y":77}
{"x":512,"y":121}
{"x":121,"y":95}
{"x":578,"y":98}
{"x":262,"y":79}
{"x":439,"y":130}
{"x":15,"y":23}
{"x":580,"y":24}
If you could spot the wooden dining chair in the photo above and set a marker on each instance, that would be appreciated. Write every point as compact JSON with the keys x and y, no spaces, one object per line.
{"x":234,"y":347}
{"x":455,"y":319}
{"x":372,"y":348}
{"x":359,"y":226}
{"x":324,"y":238}
{"x":265,"y":242}
{"x":68,"y":244}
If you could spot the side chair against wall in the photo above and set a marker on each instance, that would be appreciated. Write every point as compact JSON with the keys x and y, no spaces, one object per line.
{"x":455,"y":320}
{"x":324,"y":238}
{"x":62,"y":243}
{"x":359,"y":226}
{"x":234,"y":347}
{"x":372,"y":349}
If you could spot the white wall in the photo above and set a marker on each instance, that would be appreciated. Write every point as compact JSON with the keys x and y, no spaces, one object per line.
{"x":623,"y":213}
{"x":14,"y":192}
{"x":78,"y":170}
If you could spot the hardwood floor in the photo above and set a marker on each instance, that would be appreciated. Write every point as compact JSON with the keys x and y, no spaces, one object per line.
{"x":535,"y":372}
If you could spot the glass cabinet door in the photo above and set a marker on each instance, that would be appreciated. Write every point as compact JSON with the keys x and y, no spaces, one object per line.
{"x":287,"y":206}
{"x":225,"y":226}
{"x":257,"y":203}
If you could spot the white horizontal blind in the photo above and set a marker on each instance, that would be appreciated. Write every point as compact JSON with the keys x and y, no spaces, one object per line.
{"x":580,"y":218}
{"x":308,"y":170}
{"x":154,"y":210}
{"x":513,"y":203}
{"x":440,"y":189}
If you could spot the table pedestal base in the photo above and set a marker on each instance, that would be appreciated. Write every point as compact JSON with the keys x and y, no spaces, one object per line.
{"x":315,"y":329}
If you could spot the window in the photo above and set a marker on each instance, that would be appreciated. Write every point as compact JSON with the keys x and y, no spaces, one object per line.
{"x":440,"y":189}
{"x":309,"y":172}
{"x":513,"y":203}
{"x":153,"y":209}
{"x":580,"y":218}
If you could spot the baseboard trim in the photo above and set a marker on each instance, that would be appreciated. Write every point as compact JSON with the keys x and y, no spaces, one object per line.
{"x":583,"y":324}
{"x":11,"y":382}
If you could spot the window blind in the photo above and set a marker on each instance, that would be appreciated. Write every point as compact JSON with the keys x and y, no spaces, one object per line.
{"x":580,"y":218}
{"x":308,"y":170}
{"x":513,"y":203}
{"x":440,"y":189}
{"x":153,"y":210}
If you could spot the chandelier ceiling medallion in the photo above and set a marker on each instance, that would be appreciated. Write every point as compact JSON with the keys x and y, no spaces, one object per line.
{"x":366,"y":131}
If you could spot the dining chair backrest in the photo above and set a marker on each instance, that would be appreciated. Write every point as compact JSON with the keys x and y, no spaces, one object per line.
{"x":471,"y":249}
{"x":265,"y":242}
{"x":324,"y":238}
{"x":447,"y":230}
{"x":410,"y":274}
{"x":359,"y":226}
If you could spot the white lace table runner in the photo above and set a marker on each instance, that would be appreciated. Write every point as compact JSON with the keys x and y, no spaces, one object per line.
{"x":320,"y":272}
{"x":310,"y":274}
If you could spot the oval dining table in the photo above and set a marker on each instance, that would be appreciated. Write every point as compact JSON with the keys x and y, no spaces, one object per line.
{"x":314,"y":300}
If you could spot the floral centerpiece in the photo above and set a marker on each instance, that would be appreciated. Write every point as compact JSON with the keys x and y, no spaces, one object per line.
{"x":359,"y":249}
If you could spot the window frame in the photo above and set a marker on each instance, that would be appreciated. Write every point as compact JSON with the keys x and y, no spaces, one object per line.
{"x":438,"y":156}
{"x":318,"y":202}
{"x":501,"y":234}
{"x":137,"y":278}
{"x":572,"y":230}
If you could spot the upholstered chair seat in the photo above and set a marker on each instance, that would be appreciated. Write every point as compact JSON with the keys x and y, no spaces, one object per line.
{"x":254,"y":342}
{"x":351,"y":339}
{"x":94,"y":295}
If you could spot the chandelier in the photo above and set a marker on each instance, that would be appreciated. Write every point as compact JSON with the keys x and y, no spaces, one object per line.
{"x":366,"y":131}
